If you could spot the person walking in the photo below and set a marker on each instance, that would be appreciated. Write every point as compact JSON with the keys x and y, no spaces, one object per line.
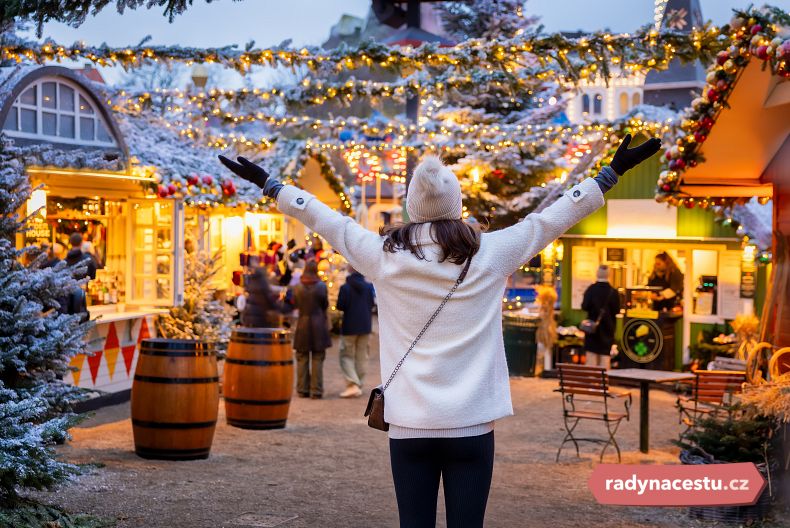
{"x":355,"y":299}
{"x":311,"y":337}
{"x":446,"y":393}
{"x":602,"y":304}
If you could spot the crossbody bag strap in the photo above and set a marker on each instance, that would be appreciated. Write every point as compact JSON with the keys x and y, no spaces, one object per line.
{"x":603,"y":309}
{"x":458,"y":282}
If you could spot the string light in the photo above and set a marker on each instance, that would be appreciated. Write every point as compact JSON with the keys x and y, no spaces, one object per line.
{"x":646,"y":48}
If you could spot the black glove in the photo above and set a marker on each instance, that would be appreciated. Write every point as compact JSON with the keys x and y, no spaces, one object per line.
{"x":253,"y":174}
{"x":626,"y":158}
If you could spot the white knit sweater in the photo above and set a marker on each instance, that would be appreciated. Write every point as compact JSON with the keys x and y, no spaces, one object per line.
{"x":455,"y":381}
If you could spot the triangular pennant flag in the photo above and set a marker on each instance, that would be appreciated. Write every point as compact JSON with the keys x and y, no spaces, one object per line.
{"x":128,"y":356}
{"x":93,"y":363}
{"x":112,"y":338}
{"x":111,"y":355}
{"x":144,"y":332}
{"x":76,"y":363}
{"x":111,"y":349}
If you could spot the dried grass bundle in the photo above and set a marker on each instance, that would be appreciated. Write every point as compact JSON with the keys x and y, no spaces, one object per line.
{"x":770,"y":399}
{"x":745,"y":327}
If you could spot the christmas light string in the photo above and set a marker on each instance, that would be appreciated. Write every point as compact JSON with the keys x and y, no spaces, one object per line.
{"x":753,"y":35}
{"x":576,"y":58}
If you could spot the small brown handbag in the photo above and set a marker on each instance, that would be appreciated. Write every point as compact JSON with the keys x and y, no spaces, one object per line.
{"x":375,"y":409}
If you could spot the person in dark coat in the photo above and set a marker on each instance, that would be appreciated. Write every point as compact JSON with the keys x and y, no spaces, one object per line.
{"x":601,"y":297}
{"x":76,"y":256}
{"x":355,"y":299}
{"x":52,"y":257}
{"x":262,"y":309}
{"x":311,"y":338}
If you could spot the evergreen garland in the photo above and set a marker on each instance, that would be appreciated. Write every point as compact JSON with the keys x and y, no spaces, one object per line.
{"x":74,"y":12}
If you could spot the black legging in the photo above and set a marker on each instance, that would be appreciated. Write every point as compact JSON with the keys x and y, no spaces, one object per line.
{"x":465,"y":465}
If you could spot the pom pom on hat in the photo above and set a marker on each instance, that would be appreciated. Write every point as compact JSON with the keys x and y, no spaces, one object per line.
{"x":603,"y":273}
{"x":434,"y":192}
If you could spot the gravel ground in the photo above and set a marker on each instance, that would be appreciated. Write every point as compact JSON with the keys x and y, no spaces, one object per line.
{"x":328,"y":469}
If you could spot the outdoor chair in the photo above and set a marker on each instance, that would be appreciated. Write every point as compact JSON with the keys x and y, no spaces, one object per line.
{"x":711,"y":396}
{"x":586,"y":395}
{"x":779,"y":364}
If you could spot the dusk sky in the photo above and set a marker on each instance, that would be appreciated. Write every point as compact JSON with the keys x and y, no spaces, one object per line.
{"x":270,"y":22}
{"x":307,"y":22}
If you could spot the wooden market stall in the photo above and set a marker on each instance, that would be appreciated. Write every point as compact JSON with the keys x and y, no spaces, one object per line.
{"x":741,"y":150}
{"x":79,"y":163}
{"x":626,"y":234}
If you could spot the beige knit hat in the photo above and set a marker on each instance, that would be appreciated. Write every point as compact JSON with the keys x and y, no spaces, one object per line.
{"x":434,"y":193}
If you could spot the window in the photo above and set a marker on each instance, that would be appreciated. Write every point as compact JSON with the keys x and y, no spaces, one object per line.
{"x":598,"y":104}
{"x":57,"y":110}
{"x":635,"y":99}
{"x":623,"y":103}
{"x":585,"y":104}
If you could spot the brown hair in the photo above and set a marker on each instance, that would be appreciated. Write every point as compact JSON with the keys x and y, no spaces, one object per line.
{"x":459,"y":240}
{"x":310,"y":270}
{"x":667,"y":260}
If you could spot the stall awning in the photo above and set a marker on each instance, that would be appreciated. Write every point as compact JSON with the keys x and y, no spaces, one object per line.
{"x":74,"y":183}
{"x":745,"y":138}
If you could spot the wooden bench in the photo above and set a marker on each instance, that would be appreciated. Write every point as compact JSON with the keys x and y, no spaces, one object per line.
{"x":711,"y":396}
{"x":581,"y":385}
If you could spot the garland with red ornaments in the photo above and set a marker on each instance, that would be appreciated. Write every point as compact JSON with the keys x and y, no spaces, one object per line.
{"x":763,"y":33}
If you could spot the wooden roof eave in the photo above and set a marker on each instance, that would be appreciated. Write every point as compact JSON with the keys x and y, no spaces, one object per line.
{"x":745,"y":139}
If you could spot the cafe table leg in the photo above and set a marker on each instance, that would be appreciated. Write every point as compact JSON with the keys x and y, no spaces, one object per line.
{"x":644,"y":416}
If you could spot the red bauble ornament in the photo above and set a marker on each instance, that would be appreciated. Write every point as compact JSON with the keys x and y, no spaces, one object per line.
{"x":161,"y":191}
{"x":666,"y":187}
{"x":756,"y":29}
{"x":762,"y":52}
{"x":207,"y":180}
{"x":680,"y":164}
{"x":228,"y":188}
{"x":699,"y":137}
{"x":171,"y":189}
{"x":713,"y":95}
{"x":689,"y":203}
{"x":668,"y":155}
{"x":192,"y":179}
{"x":722,"y":57}
{"x":721,"y":85}
{"x":692,"y":163}
{"x":706,"y":122}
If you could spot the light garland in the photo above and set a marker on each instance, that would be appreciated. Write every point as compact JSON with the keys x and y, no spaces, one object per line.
{"x":753,"y":34}
{"x":311,"y":92}
{"x":574,"y":58}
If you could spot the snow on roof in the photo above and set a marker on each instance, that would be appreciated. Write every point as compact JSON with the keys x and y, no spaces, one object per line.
{"x":152,"y":142}
{"x":10,"y":76}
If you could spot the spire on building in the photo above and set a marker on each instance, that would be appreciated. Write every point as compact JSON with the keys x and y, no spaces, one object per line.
{"x":675,"y":85}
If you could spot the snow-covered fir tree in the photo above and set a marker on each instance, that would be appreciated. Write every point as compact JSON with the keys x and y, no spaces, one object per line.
{"x":201,"y":316}
{"x":498,"y":183}
{"x":487,"y":19}
{"x":36,"y":344}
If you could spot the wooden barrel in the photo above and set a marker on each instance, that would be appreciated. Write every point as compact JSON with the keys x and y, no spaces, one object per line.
{"x":175,"y":399}
{"x":258,"y":378}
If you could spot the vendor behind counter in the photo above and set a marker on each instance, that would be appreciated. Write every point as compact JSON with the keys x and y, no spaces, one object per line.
{"x":666,"y":275}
